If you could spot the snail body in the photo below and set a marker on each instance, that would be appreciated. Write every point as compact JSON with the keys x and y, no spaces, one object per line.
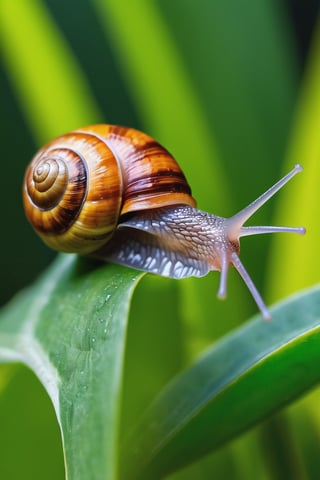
{"x":116,"y":194}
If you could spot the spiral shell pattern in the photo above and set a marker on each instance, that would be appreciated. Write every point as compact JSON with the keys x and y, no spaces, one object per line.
{"x":72,"y":193}
{"x":79,"y":185}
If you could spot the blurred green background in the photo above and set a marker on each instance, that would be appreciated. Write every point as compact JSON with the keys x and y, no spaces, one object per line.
{"x":230,"y":88}
{"x":239,"y":65}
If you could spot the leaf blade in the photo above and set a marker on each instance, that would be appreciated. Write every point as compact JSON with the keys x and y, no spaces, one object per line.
{"x":300,"y":203}
{"x":72,"y":336}
{"x":226,"y":391}
{"x":52,"y":100}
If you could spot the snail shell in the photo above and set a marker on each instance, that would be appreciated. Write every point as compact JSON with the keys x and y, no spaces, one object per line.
{"x":115,"y":193}
{"x":79,"y":185}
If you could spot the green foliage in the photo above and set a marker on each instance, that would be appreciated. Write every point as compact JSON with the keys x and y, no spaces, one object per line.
{"x":70,"y":330}
{"x":224,"y":392}
{"x":218,"y":83}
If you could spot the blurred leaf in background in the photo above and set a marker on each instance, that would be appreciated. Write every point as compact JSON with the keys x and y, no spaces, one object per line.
{"x":218,"y":83}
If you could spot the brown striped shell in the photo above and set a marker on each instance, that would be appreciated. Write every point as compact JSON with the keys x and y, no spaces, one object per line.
{"x":78,"y":186}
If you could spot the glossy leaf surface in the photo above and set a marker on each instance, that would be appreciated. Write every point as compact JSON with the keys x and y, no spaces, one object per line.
{"x":70,"y":330}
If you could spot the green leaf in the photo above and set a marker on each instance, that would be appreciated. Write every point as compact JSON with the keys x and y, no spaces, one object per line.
{"x":70,"y":329}
{"x":300,"y":206}
{"x":43,"y":70}
{"x":246,"y":376}
{"x":162,"y":90}
{"x":300,"y":203}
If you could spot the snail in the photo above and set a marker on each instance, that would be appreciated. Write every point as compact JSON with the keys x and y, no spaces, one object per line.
{"x":116,"y":194}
